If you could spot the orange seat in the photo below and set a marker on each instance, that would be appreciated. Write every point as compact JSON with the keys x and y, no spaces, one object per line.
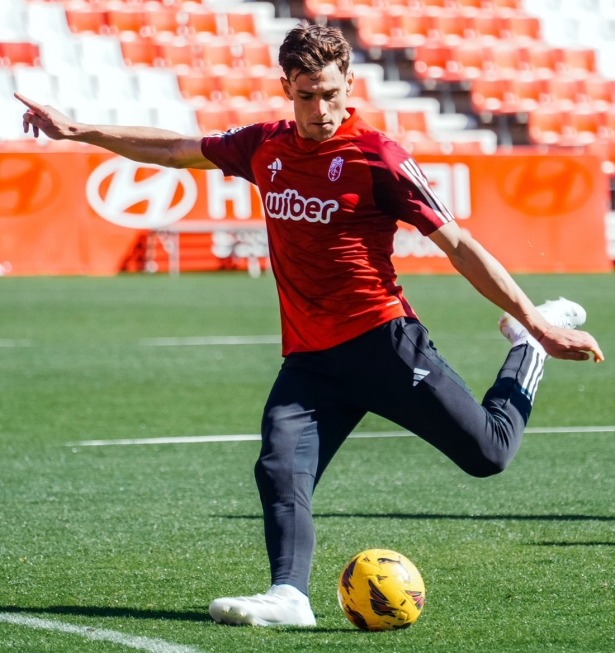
{"x":163,"y":19}
{"x":412,"y":123}
{"x":202,"y":22}
{"x":221,"y":53}
{"x":87,"y":18}
{"x":271,"y":86}
{"x":256,"y":53}
{"x":236,"y":83}
{"x":549,"y":125}
{"x":514,"y":5}
{"x":544,"y":59}
{"x":241,"y":24}
{"x":452,"y":27}
{"x":437,"y":62}
{"x":360,"y":90}
{"x":579,"y":61}
{"x":439,"y":4}
{"x":566,"y":90}
{"x":586,"y":126}
{"x":414,"y":28}
{"x":508,"y":59}
{"x":374,"y":117}
{"x":524,"y":27}
{"x":472,"y":7}
{"x":25,"y":54}
{"x":285,"y":112}
{"x":473,"y":57}
{"x":129,"y":18}
{"x":250,"y":115}
{"x":378,"y":31}
{"x":488,"y":26}
{"x":200,"y":84}
{"x":530,"y":92}
{"x":600,"y":91}
{"x":138,"y":50}
{"x":215,"y":118}
{"x":338,"y":9}
{"x":180,"y":52}
{"x":492,"y":94}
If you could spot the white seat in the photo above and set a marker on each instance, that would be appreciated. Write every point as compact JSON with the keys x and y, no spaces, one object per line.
{"x":36,"y":84}
{"x":426,"y":105}
{"x":7,"y":85}
{"x":177,"y":117}
{"x":607,"y":8}
{"x":13,"y":26}
{"x":438,"y":123}
{"x":133,"y":114}
{"x":45,"y":20}
{"x":60,"y":55}
{"x":559,"y":31}
{"x":273,"y":30}
{"x":11,"y":125}
{"x":75,"y":89}
{"x":92,"y":113}
{"x":115,"y":87}
{"x":157,"y":86}
{"x":100,"y":54}
{"x":577,"y":8}
{"x":594,"y":30}
{"x":606,"y":60}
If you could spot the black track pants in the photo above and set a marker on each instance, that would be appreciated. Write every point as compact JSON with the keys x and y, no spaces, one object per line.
{"x":393,"y":371}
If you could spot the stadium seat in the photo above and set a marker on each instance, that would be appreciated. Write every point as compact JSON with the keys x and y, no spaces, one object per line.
{"x":133,"y":113}
{"x":201,"y":22}
{"x":177,"y":117}
{"x":492,"y":94}
{"x":46,"y":20}
{"x":548,"y":125}
{"x":241,"y":24}
{"x":545,"y":60}
{"x":470,"y":141}
{"x":437,"y":62}
{"x":215,"y":117}
{"x":202,"y":84}
{"x":530,"y":92}
{"x":488,"y":26}
{"x":253,"y":114}
{"x":13,"y":26}
{"x":600,"y":91}
{"x":162,"y":19}
{"x":222,"y":53}
{"x":127,"y":18}
{"x":579,"y":61}
{"x":379,"y":31}
{"x":99,"y":53}
{"x":566,"y":91}
{"x":237,"y":84}
{"x":75,"y":89}
{"x":452,"y":27}
{"x":271,"y":87}
{"x":512,"y":5}
{"x":115,"y":87}
{"x":139,"y":51}
{"x":585,"y":125}
{"x":14,"y":54}
{"x":87,"y":18}
{"x":508,"y":59}
{"x":412,"y":124}
{"x":156,"y":86}
{"x":180,"y":52}
{"x":7,"y":84}
{"x":472,"y":7}
{"x":35,"y":82}
{"x":377,"y":118}
{"x":524,"y":28}
{"x":473,"y":58}
{"x":257,"y":54}
{"x":415,"y":28}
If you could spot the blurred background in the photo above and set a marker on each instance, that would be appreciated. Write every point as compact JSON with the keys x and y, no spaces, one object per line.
{"x":509,"y":106}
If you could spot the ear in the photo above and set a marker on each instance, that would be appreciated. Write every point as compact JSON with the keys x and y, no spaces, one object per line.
{"x":286,"y":88}
{"x":349,"y":82}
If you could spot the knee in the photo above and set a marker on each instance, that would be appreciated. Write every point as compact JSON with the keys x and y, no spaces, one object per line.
{"x":486,"y":467}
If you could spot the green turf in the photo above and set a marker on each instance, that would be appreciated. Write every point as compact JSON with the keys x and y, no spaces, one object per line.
{"x":139,"y":539}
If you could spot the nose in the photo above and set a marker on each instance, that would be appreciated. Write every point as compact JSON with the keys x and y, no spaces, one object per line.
{"x":321,"y":107}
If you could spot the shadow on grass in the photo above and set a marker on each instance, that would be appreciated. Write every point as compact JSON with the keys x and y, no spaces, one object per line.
{"x":401,"y":515}
{"x":98,"y":611}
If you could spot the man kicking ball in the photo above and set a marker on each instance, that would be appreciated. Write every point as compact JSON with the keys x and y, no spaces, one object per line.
{"x":333,"y":190}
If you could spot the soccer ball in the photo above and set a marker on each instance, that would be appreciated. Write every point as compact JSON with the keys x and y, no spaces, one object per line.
{"x":381,"y":590}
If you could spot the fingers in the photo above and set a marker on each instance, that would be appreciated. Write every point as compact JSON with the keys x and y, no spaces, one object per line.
{"x":31,"y":104}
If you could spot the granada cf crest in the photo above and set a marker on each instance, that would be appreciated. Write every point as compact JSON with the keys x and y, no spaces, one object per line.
{"x":335,"y":169}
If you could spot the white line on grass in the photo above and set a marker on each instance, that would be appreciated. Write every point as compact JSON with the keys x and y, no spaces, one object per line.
{"x":250,"y":437}
{"x":211,"y":340}
{"x":97,"y":634}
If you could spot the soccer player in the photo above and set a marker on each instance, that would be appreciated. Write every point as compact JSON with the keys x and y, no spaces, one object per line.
{"x":333,"y":189}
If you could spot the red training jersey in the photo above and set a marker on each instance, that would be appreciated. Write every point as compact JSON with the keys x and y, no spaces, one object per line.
{"x":331,"y":210}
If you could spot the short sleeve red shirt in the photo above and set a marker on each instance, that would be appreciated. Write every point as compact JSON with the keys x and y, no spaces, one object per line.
{"x":331,"y":210}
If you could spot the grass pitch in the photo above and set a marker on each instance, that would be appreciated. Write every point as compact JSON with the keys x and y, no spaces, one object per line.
{"x":139,"y":539}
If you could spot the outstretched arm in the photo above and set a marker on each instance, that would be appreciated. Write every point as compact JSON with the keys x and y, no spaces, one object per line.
{"x":490,"y":278}
{"x":143,"y":144}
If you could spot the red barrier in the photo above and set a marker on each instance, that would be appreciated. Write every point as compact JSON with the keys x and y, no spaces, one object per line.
{"x":67,"y":209}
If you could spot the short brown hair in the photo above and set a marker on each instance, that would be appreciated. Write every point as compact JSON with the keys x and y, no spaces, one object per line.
{"x":308,"y":49}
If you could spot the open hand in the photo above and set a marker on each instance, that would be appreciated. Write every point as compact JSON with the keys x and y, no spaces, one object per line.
{"x":569,"y":344}
{"x":50,"y":121}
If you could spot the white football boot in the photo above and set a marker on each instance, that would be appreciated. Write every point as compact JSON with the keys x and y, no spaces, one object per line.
{"x":282,"y":605}
{"x":560,"y":312}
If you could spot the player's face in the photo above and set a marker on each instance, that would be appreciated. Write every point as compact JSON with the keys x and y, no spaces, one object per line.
{"x":320,"y":101}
